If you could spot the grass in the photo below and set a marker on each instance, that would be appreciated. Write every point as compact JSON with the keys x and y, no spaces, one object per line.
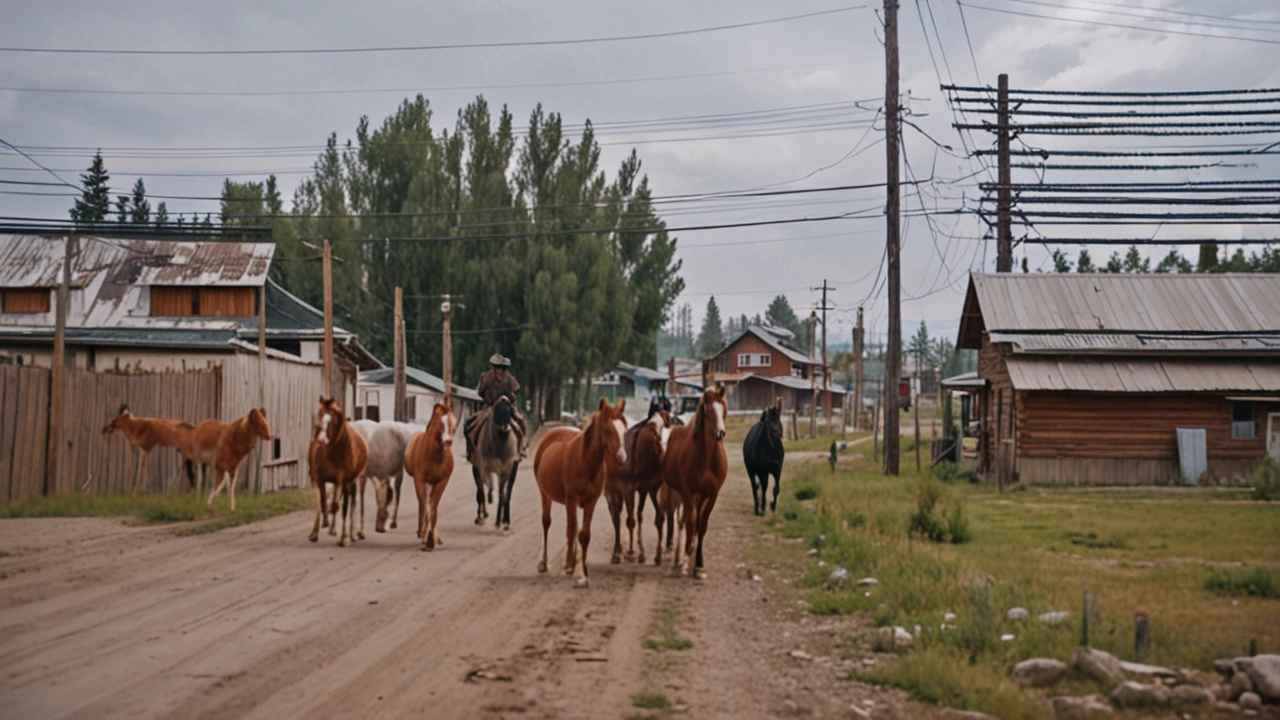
{"x":1257,"y":583}
{"x":1135,"y":549}
{"x":1266,"y":480}
{"x":650,"y":701}
{"x":163,"y":508}
{"x":663,"y":634}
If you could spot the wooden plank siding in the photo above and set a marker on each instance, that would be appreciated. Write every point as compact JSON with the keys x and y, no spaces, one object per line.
{"x":23,"y":431}
{"x":998,"y":409}
{"x":291,"y":397}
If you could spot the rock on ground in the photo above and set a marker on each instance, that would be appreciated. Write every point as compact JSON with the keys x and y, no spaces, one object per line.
{"x":1250,"y":701}
{"x":1240,"y":684}
{"x":1098,"y":664}
{"x":1264,"y":671}
{"x":1017,"y":613}
{"x":1130,"y":694}
{"x":1191,"y":695}
{"x":1080,"y":708}
{"x":1038,"y":672}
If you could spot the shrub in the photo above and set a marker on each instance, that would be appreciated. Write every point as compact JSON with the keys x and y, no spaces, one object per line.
{"x":1257,"y":582}
{"x":1266,"y":480}
{"x":807,"y":492}
{"x":942,"y":526}
{"x":948,"y":472}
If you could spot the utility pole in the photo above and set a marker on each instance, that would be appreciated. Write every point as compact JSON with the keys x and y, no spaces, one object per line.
{"x":58,"y":377}
{"x":328,"y":320}
{"x":446,"y":309}
{"x":826,"y":366}
{"x":1004,"y":225}
{"x":400,"y":393}
{"x":893,"y":350}
{"x":857,"y":370}
{"x":813,"y":381}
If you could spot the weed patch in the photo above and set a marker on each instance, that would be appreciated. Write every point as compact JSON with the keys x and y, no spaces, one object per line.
{"x":1257,"y":582}
{"x":663,"y":634}
{"x":807,"y":492}
{"x":946,"y":525}
{"x":1091,"y":540}
{"x":650,"y":701}
{"x":1266,"y":480}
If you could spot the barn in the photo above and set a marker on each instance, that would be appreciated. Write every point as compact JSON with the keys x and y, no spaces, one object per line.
{"x":1124,"y":379}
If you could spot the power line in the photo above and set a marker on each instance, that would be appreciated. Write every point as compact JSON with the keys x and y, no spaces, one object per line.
{"x":1122,"y":26}
{"x":442,"y":46}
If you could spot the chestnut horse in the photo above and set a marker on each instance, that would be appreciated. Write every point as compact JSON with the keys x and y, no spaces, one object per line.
{"x":145,"y":434}
{"x":570,"y":469}
{"x":642,"y":473}
{"x":429,"y":461}
{"x":337,"y":455}
{"x":234,"y":443}
{"x":695,"y":468}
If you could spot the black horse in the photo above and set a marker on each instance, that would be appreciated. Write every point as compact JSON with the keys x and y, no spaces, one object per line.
{"x":762,"y":452}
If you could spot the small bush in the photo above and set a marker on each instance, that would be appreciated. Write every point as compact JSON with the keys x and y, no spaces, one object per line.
{"x":650,"y":701}
{"x":941,"y":526}
{"x":1257,"y":582}
{"x":1091,"y":540}
{"x":949,"y":472}
{"x":1266,"y":480}
{"x":807,"y":492}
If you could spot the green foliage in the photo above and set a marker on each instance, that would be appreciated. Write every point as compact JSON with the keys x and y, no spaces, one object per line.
{"x":1084,"y":264}
{"x":807,"y":492}
{"x":711,"y":337}
{"x":935,"y":523}
{"x":948,"y":472}
{"x":161,"y":508}
{"x":663,"y":635}
{"x":1060,"y":262}
{"x":1174,"y":263}
{"x":1258,"y":582}
{"x":95,"y":201}
{"x":650,"y":701}
{"x":1266,"y":480}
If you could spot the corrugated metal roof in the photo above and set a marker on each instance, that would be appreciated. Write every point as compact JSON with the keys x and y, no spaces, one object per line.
{"x":422,"y":378}
{"x":780,"y":344}
{"x":1144,"y":376}
{"x":1138,"y":343}
{"x":36,"y":261}
{"x":1156,"y":303}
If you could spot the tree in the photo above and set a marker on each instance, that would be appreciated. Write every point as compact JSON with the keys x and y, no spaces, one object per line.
{"x":122,"y":209}
{"x":1134,"y":262}
{"x":1060,"y":262}
{"x":1084,"y":264}
{"x":1174,"y":263}
{"x":710,"y":339}
{"x":1208,"y":261}
{"x":780,"y":314}
{"x":95,"y":201}
{"x":162,"y":215}
{"x":139,"y":208}
{"x":1114,"y":264}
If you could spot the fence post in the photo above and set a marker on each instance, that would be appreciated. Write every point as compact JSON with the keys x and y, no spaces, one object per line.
{"x":1141,"y":637}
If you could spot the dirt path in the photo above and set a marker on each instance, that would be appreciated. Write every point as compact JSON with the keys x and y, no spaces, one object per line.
{"x":99,"y":619}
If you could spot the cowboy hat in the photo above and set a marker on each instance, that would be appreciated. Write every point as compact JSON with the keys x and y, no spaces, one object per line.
{"x":497,"y":360}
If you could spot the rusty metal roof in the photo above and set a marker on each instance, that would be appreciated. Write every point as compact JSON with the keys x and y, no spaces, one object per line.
{"x":1071,"y":343}
{"x":1144,"y":375}
{"x":1155,"y":303}
{"x":36,"y":261}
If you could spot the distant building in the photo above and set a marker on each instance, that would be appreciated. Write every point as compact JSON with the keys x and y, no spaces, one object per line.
{"x":1124,"y":379}
{"x":375,"y":395}
{"x":764,"y":364}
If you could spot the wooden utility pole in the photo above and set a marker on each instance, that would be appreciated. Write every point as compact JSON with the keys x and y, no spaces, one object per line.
{"x":826,"y":365}
{"x":328,"y":320}
{"x":813,"y":381}
{"x":58,"y":376}
{"x":893,"y":349}
{"x":399,"y":415}
{"x":446,"y":309}
{"x":262,"y":378}
{"x":857,"y":371}
{"x":1004,"y":225}
{"x":915,"y":407}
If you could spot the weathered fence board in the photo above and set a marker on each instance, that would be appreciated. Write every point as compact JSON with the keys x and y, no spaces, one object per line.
{"x":24,"y":393}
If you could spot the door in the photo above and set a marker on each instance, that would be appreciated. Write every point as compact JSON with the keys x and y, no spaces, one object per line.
{"x":1273,"y":436}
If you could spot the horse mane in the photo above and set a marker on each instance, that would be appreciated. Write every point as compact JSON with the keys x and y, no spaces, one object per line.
{"x":696,"y":427}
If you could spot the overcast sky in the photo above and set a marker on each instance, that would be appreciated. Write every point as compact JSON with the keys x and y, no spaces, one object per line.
{"x":833,"y":58}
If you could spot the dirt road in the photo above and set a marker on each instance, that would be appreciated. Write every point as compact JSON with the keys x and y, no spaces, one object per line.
{"x":100,"y":619}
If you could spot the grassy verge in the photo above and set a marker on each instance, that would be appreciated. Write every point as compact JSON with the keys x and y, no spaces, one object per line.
{"x":663,"y":634}
{"x":166,"y":508}
{"x":1153,"y":550}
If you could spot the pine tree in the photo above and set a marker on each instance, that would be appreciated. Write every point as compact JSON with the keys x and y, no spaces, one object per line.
{"x":95,"y":203}
{"x":1134,"y":262}
{"x":1084,"y":264}
{"x":122,"y":209}
{"x":711,"y":339}
{"x":1174,"y":263}
{"x":1060,"y":262}
{"x":162,"y":215}
{"x":1208,"y":257}
{"x":139,"y":209}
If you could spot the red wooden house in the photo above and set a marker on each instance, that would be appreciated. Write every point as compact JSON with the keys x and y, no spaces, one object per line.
{"x":764,"y":364}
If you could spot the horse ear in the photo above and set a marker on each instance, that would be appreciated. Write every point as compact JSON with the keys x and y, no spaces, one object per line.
{"x":603,"y":403}
{"x":622,"y":404}
{"x":720,"y":391}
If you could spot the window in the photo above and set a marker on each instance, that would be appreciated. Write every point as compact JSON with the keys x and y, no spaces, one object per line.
{"x":1242,"y":425}
{"x":722,"y":363}
{"x":26,"y":300}
{"x":764,"y":360}
{"x":204,"y":301}
{"x":744,"y":360}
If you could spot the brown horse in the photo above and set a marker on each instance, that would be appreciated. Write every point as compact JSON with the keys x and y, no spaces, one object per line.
{"x":569,"y":469}
{"x":234,"y":443}
{"x":695,"y":468}
{"x":429,"y":461}
{"x":337,"y":455}
{"x":145,"y":434}
{"x":642,"y":474}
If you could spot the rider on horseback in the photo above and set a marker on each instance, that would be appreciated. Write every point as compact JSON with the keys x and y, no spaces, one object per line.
{"x":496,"y":383}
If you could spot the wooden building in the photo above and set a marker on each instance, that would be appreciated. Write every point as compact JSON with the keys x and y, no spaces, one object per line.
{"x":376,"y":394}
{"x":764,"y":364}
{"x":1092,"y":379}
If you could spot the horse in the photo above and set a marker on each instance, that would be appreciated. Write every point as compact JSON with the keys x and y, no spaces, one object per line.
{"x":429,"y":461}
{"x":338,"y":454}
{"x":642,"y":473}
{"x":497,"y":455}
{"x":234,"y":443}
{"x":145,"y":434}
{"x":694,"y":468}
{"x":569,"y":467}
{"x":387,"y":441}
{"x":763,"y":453}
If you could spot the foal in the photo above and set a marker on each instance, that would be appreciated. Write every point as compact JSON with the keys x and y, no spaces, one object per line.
{"x":234,"y":443}
{"x":695,"y":468}
{"x":145,"y":433}
{"x":338,"y":455}
{"x":429,"y":461}
{"x":569,"y":468}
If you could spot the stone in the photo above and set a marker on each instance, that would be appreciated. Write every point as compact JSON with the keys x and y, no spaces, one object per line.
{"x":864,"y":582}
{"x":812,"y":551}
{"x":801,"y":655}
{"x":1017,"y":613}
{"x":1240,"y":684}
{"x":1226,"y":667}
{"x":896,"y":636}
{"x":1099,"y":665}
{"x":1148,"y":672}
{"x":1131,"y":694}
{"x":836,"y":578}
{"x":1264,"y":671}
{"x":949,"y":617}
{"x":1053,"y":618}
{"x":1080,"y":708}
{"x":1038,"y":672}
{"x":966,"y":714}
{"x":1190,"y":695}
{"x":1007,"y":637}
{"x":1250,"y":701}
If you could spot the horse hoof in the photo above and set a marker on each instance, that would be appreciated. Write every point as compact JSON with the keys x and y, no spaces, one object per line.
{"x":630,"y":556}
{"x":479,"y":520}
{"x":342,"y":543}
{"x":393,"y":525}
{"x":424,"y":547}
{"x":313,"y":537}
{"x":506,"y":530}
{"x":700,"y":574}
{"x":542,"y":567}
{"x":379,"y":529}
{"x":360,"y":535}
{"x":640,"y":559}
{"x":580,"y":582}
{"x":615,"y":560}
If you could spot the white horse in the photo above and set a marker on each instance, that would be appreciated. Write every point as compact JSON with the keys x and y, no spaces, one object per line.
{"x":387,"y":441}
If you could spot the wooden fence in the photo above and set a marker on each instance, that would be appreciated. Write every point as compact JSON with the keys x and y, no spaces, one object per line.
{"x":289,"y":394}
{"x":24,"y":430}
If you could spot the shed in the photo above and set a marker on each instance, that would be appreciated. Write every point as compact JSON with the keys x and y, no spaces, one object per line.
{"x":1087,"y":378}
{"x":376,"y":391}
